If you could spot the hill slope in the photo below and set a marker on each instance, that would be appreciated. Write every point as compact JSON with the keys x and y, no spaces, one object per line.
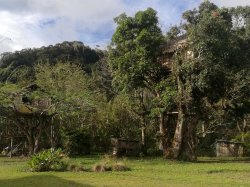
{"x":19,"y":65}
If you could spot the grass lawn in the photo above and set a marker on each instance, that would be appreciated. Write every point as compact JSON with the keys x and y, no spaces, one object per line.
{"x":144,"y":172}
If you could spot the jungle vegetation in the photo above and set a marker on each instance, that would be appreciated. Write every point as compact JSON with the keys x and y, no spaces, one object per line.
{"x":125,"y":92}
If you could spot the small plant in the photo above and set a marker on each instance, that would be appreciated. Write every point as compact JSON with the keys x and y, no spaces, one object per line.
{"x":75,"y":168}
{"x":109,"y":164}
{"x":246,"y":142}
{"x":101,"y":167}
{"x":47,"y":160}
{"x":119,"y":167}
{"x":76,"y":142}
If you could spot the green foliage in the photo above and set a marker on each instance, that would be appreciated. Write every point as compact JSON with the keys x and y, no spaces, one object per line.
{"x":246,"y":142}
{"x":206,"y":146}
{"x":47,"y":160}
{"x":76,"y":142}
{"x":166,"y":101}
{"x":131,"y":90}
{"x":67,"y":86}
{"x":157,"y":172}
{"x":134,"y":49}
{"x":7,"y":92}
{"x":173,"y":33}
{"x":217,"y":76}
{"x":19,"y":66}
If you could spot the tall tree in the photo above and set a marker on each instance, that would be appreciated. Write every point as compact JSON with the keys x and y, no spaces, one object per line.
{"x":60,"y":92}
{"x":133,"y":56}
{"x":68,"y":87}
{"x":207,"y":80}
{"x":28,"y":109}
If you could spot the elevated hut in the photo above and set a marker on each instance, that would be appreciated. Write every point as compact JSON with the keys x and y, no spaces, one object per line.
{"x":122,"y":147}
{"x":179,"y":44}
{"x":226,"y":148}
{"x":27,"y":117}
{"x":24,"y":105}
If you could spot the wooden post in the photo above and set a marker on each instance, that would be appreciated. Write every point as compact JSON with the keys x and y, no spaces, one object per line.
{"x":203,"y":130}
{"x":52,"y":136}
{"x":11,"y":145}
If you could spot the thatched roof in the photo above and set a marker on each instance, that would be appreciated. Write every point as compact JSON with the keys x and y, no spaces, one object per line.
{"x":228,"y":142}
{"x":173,"y":45}
{"x":29,"y":106}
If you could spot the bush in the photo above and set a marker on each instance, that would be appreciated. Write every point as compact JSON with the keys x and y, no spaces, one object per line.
{"x":119,"y":167}
{"x":109,"y":164}
{"x":75,"y":168}
{"x":77,"y":142}
{"x":246,"y":142}
{"x":154,"y":152}
{"x":101,"y":167}
{"x":47,"y":160}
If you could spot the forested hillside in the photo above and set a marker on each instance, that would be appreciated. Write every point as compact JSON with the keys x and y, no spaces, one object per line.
{"x":19,"y":65}
{"x":77,"y":98}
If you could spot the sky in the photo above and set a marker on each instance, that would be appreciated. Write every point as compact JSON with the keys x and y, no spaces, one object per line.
{"x":36,"y":23}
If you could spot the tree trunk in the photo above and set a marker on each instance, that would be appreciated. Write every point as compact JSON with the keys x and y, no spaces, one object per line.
{"x":242,"y":129}
{"x":167,"y":136}
{"x":32,"y":128}
{"x":143,"y":129}
{"x":188,"y":150}
{"x":162,"y":132}
{"x":184,"y":141}
{"x":203,"y":130}
{"x":178,"y":136}
{"x":38,"y":132}
{"x":143,"y":138}
{"x":30,"y":144}
{"x":11,"y":146}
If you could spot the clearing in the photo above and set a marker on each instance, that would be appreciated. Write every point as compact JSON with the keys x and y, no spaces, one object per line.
{"x":144,"y":172}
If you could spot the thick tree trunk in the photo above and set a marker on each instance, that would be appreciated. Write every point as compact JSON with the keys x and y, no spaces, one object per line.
{"x":178,"y":136}
{"x":188,"y":150}
{"x":37,"y":138}
{"x":32,"y":128}
{"x":30,"y":144}
{"x":143,"y":147}
{"x":167,"y":137}
{"x":143,"y":129}
{"x":242,"y":128}
{"x":184,"y":142}
{"x":162,"y":132}
{"x":143,"y":136}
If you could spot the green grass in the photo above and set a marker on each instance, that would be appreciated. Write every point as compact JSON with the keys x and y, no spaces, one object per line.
{"x":144,"y":172}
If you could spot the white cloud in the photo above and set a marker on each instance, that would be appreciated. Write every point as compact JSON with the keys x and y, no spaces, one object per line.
{"x":33,"y":23}
{"x":231,"y":3}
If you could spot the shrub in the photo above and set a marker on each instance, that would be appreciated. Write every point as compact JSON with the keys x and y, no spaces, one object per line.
{"x":109,"y":164}
{"x":75,"y":168}
{"x":101,"y":167}
{"x":47,"y":160}
{"x":119,"y":167}
{"x":246,"y":142}
{"x":76,"y":142}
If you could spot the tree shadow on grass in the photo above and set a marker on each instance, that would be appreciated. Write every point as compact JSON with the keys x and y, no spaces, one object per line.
{"x":224,"y":160}
{"x":40,"y":181}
